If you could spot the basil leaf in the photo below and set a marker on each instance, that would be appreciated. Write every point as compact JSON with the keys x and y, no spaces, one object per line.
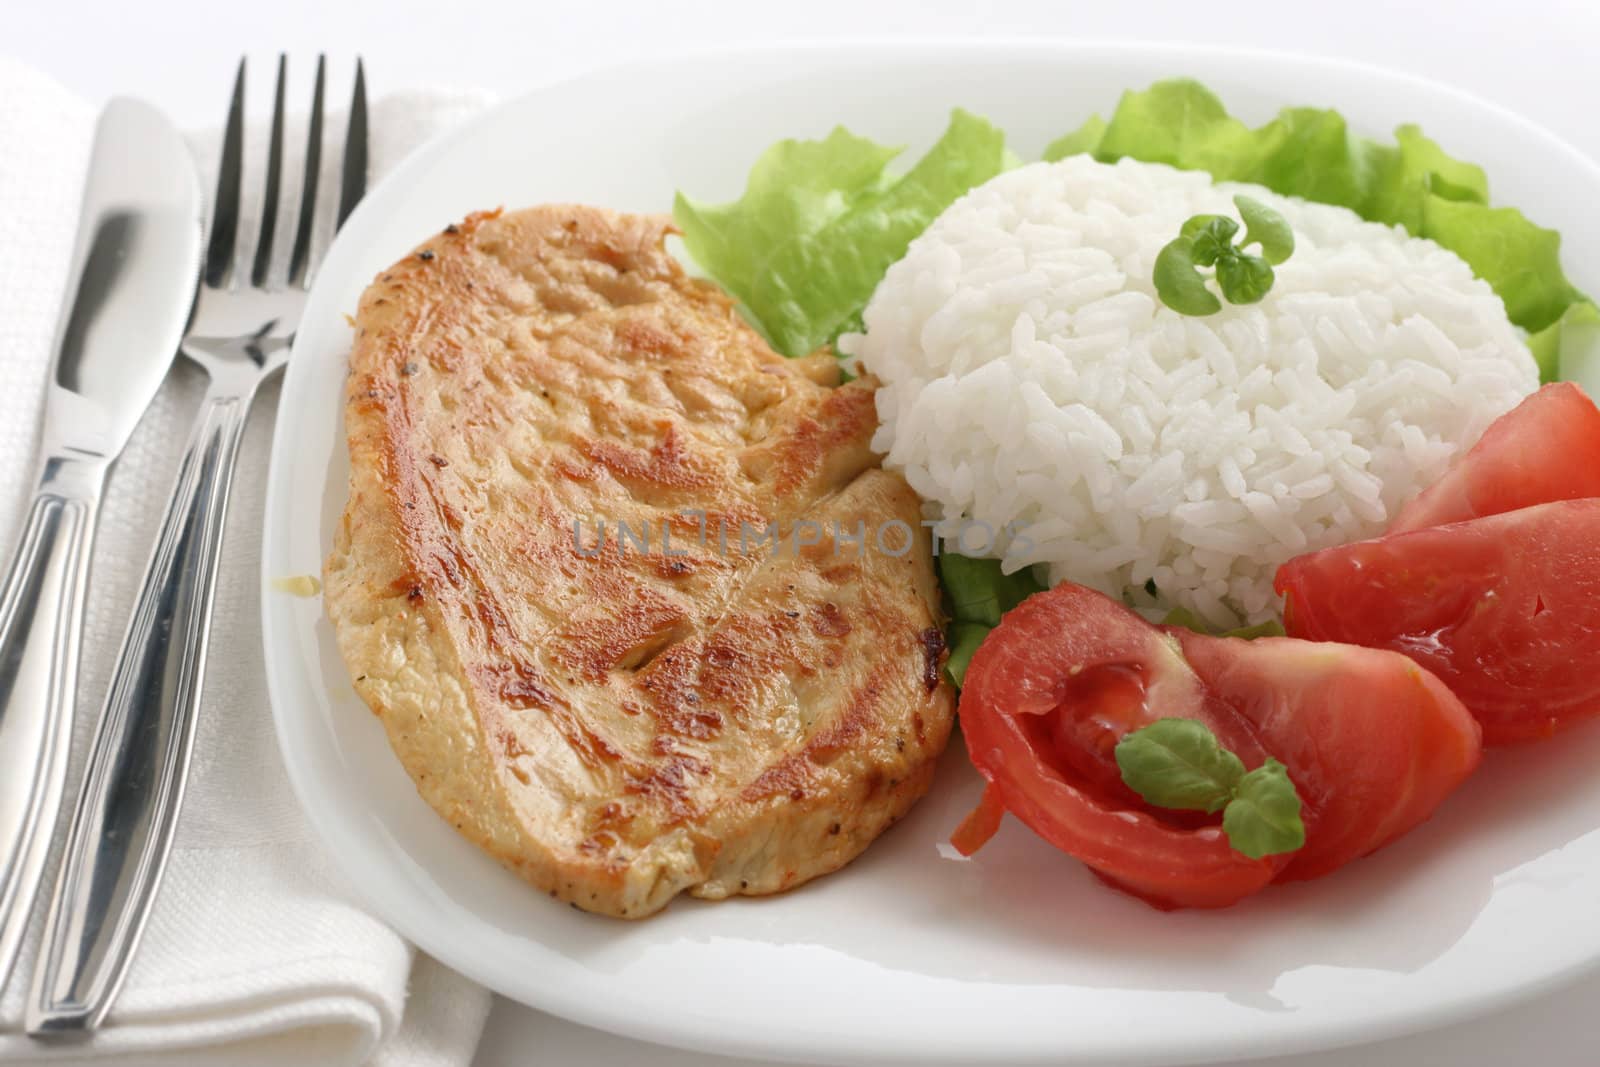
{"x":1244,"y":279}
{"x":1207,"y":240}
{"x":1210,"y":237}
{"x":1311,"y":153}
{"x":1264,"y":226}
{"x":1263,"y":818}
{"x":1178,"y":763}
{"x":1180,"y":284}
{"x":1195,"y":223}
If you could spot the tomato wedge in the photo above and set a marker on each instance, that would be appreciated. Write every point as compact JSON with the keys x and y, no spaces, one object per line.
{"x":1547,"y":448}
{"x":1505,"y":609}
{"x":1371,"y":741}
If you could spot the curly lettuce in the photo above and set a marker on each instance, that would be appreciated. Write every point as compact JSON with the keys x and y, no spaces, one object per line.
{"x":821,"y":221}
{"x":977,"y":593}
{"x":1311,"y":153}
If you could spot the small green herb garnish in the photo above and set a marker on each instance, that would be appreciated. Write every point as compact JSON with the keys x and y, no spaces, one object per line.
{"x":1263,"y":818}
{"x":1179,"y":283}
{"x":1207,"y":241}
{"x":1267,"y":228}
{"x":1180,"y":764}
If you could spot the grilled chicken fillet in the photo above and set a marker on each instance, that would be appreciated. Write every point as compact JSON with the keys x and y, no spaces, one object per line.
{"x":738,"y":705}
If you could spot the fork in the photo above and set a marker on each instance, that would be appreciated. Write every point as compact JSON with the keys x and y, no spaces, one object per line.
{"x":123,"y":826}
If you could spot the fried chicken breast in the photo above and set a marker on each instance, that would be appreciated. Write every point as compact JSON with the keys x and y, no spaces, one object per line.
{"x":635,"y":603}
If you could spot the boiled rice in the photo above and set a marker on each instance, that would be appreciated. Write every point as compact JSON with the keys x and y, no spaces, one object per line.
{"x":1034,"y":384}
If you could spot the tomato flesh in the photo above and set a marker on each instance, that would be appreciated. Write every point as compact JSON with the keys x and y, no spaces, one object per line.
{"x":1545,"y":449}
{"x":1373,"y":742}
{"x":1505,"y":609}
{"x":1021,"y":681}
{"x":1070,"y":672}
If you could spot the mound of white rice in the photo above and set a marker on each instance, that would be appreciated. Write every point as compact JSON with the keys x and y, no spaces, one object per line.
{"x":1033,"y":384}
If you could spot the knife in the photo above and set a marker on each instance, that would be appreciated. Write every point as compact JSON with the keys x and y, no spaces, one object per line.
{"x":135,"y":271}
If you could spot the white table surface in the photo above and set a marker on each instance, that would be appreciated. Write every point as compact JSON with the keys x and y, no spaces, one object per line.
{"x":1538,"y":57}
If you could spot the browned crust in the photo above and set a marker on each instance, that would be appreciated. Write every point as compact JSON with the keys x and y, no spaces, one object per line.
{"x":622,"y":728}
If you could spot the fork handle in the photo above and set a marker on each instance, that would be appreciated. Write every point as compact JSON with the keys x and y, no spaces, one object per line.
{"x":41,"y":622}
{"x":122,"y":829}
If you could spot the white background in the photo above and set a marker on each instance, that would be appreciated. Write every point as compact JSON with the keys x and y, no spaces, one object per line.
{"x":1538,"y":57}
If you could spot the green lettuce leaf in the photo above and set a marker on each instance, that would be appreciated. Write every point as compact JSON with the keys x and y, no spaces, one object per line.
{"x":1183,"y":123}
{"x":977,"y":593}
{"x":1310,"y":153}
{"x":1085,"y":138}
{"x":1416,"y":170}
{"x":1270,"y":628}
{"x":1569,"y":349}
{"x":1181,"y":616}
{"x":795,"y":187}
{"x":1520,"y":261}
{"x":821,"y":221}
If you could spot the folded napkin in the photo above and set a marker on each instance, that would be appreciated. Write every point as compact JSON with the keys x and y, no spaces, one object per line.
{"x":259,"y":951}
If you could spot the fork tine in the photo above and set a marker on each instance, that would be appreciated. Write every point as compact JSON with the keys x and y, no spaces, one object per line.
{"x":225,"y":213}
{"x":300,"y":258}
{"x":353,"y":178}
{"x":269,"y":198}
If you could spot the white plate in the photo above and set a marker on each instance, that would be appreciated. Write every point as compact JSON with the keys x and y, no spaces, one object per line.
{"x":912,"y":955}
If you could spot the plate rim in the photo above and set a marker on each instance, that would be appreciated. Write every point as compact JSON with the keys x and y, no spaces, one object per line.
{"x":281,"y":664}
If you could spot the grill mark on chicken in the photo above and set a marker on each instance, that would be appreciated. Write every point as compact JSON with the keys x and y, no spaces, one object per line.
{"x":793,"y":773}
{"x":621,"y":726}
{"x":441,"y":565}
{"x":619,"y":626}
{"x":932,"y":656}
{"x":517,"y":684}
{"x":666,"y":465}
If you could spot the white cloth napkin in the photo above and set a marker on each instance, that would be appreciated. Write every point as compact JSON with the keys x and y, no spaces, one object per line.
{"x":259,"y":950}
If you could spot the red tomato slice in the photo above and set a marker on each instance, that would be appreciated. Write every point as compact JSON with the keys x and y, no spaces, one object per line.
{"x":982,"y":823}
{"x":1546,"y":448}
{"x":1373,"y":743}
{"x":1504,"y":609}
{"x":1069,"y":672}
{"x":1046,"y":698}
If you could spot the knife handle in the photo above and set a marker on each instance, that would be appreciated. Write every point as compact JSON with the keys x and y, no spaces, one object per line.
{"x":41,"y":624}
{"x":127,"y":810}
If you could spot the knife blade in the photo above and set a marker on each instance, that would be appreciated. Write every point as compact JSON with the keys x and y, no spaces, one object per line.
{"x":135,"y":272}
